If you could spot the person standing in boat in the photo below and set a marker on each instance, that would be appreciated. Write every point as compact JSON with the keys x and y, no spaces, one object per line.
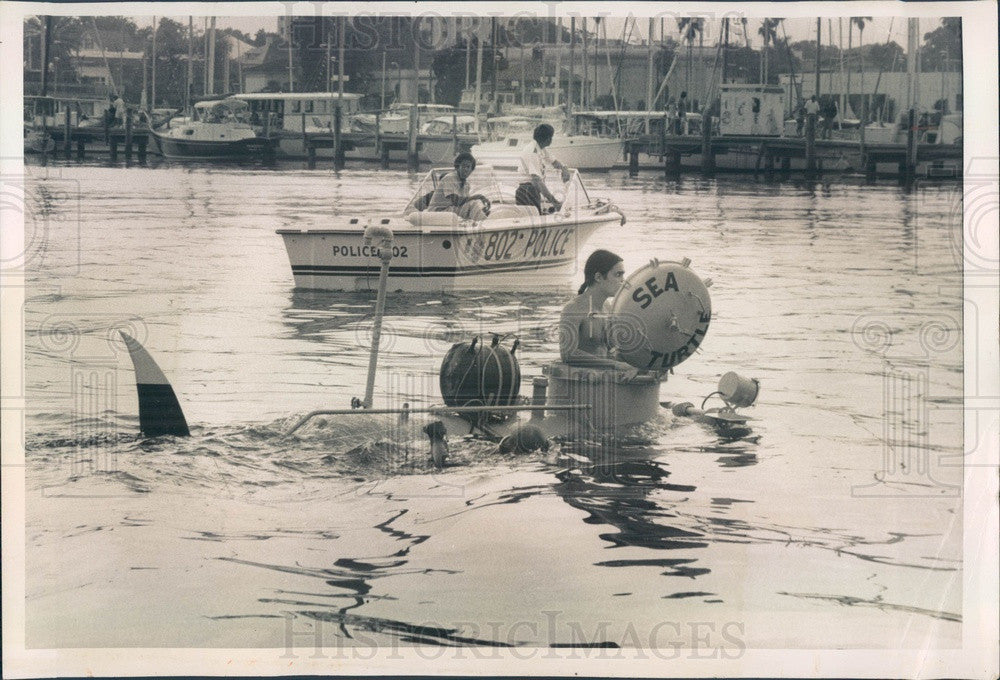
{"x":535,"y":160}
{"x":452,"y":192}
{"x":583,"y":332}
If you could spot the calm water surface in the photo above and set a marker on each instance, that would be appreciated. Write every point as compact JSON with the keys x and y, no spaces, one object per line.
{"x":834,"y":522}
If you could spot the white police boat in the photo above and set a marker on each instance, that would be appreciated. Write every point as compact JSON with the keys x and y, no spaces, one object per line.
{"x":513,"y":249}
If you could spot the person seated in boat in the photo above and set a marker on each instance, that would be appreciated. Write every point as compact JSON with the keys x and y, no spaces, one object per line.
{"x":535,"y":160}
{"x":452,"y":192}
{"x":583,"y":333}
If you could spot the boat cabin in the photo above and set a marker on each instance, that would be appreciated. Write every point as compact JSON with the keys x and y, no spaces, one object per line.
{"x":52,"y":111}
{"x":220,"y":111}
{"x":288,"y":110}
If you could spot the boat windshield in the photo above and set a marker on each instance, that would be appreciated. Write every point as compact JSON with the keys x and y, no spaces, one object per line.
{"x":483,"y":180}
{"x":498,"y":188}
{"x":224,"y":111}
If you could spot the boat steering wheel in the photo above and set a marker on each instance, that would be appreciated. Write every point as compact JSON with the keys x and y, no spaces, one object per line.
{"x":486,"y":202}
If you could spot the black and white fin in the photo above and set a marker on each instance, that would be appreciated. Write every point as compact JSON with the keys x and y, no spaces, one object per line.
{"x":159,"y":411}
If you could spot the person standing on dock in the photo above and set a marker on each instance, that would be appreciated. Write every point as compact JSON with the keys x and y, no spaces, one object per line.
{"x":682,"y":109}
{"x":534,"y":162}
{"x":452,"y":192}
{"x":829,"y":115}
{"x":812,"y":107}
{"x":119,"y":111}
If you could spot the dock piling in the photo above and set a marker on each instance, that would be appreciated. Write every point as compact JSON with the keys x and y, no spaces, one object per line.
{"x":412,"y":160}
{"x":811,"y":143}
{"x":338,"y":143}
{"x":128,"y":135}
{"x":910,"y":166}
{"x":672,"y":162}
{"x":305,"y":137}
{"x":67,"y":135}
{"x":45,"y":142}
{"x":707,"y":154}
{"x":863,"y":147}
{"x":633,"y":160}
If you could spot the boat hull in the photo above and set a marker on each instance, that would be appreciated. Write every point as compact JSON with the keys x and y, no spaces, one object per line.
{"x":248,"y":149}
{"x":580,"y":152}
{"x":527,"y":254}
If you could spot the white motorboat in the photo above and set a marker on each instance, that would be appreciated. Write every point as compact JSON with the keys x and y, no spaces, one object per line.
{"x":514,"y":248}
{"x":438,"y":143}
{"x":397,"y":119}
{"x":584,"y":152}
{"x":290,"y":114}
{"x":218,"y":129}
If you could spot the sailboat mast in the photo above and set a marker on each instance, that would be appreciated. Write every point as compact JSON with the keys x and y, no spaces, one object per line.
{"x":572,"y":64}
{"x":584,"y":85}
{"x":479,"y":76}
{"x":46,"y":41}
{"x":819,"y":28}
{"x":649,"y":73}
{"x":840,"y":49}
{"x":341,"y":38}
{"x":210,"y":62}
{"x":190,"y":73}
{"x":912,"y":41}
{"x":152,"y":92}
{"x":493,"y":57}
{"x":725,"y":49}
{"x":558,"y":46}
{"x":204,"y":57}
{"x":291,"y":76}
{"x":329,"y":55}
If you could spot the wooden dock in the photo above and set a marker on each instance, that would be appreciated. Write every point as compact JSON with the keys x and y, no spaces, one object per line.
{"x":805,"y":154}
{"x":66,"y":138}
{"x":381,"y":145}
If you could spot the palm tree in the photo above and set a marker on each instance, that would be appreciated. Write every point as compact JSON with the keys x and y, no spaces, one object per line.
{"x":860,"y":23}
{"x":767,"y":30}
{"x":689,"y":29}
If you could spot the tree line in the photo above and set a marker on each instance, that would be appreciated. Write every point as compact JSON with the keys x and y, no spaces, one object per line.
{"x":371,"y":42}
